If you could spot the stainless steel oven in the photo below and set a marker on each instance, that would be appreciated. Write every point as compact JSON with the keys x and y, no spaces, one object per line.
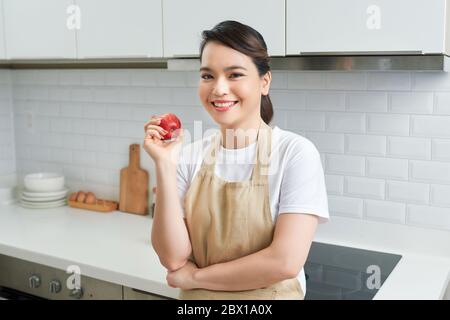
{"x":25,"y":280}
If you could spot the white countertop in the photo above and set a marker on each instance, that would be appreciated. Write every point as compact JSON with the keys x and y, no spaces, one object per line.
{"x":115,"y":247}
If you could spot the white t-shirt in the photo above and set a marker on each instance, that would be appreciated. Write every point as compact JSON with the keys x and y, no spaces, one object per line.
{"x":296,"y":178}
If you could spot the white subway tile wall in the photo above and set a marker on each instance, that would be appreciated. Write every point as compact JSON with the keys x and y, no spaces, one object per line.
{"x":384,"y":137}
{"x":7,"y":145}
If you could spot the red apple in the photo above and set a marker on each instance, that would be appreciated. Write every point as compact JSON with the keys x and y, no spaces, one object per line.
{"x":170,"y":123}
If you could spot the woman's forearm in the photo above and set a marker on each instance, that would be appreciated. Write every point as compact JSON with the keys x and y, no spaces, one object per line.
{"x":170,"y":237}
{"x":257,"y":270}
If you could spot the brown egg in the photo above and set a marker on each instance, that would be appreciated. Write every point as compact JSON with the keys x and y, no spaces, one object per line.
{"x":81,"y":196}
{"x":90,"y":198}
{"x":73,"y":196}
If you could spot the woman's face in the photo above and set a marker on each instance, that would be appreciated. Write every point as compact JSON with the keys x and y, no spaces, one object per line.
{"x":230,"y":87}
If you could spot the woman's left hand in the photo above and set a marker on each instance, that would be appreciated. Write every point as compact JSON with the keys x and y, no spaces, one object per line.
{"x":183,"y":278}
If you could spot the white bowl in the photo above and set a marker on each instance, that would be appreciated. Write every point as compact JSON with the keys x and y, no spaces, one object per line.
{"x":44,"y":182}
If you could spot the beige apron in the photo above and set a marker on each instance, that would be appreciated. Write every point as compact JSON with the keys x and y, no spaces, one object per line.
{"x":229,"y":220}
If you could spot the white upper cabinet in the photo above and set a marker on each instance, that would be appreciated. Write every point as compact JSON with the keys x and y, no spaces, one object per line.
{"x":185,"y":20}
{"x":2,"y":33}
{"x":39,"y":29}
{"x":365,"y":26}
{"x":119,"y":28}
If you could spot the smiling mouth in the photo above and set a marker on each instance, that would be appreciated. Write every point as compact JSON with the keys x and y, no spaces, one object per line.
{"x":224,"y":105}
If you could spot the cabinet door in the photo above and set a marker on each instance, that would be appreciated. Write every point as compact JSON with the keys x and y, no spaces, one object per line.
{"x":183,"y":22}
{"x":38,"y":29}
{"x":360,"y":26}
{"x":118,"y":28}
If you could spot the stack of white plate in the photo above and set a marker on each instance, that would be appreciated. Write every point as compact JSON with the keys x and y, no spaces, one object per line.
{"x":41,"y":200}
{"x":44,"y":190}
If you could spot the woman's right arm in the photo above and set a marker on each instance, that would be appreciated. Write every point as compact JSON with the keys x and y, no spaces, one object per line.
{"x":170,"y":237}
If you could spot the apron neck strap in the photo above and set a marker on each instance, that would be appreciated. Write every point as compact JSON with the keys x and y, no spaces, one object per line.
{"x":263,"y":150}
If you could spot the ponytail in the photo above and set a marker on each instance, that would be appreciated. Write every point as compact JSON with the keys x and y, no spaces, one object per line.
{"x":266,"y":109}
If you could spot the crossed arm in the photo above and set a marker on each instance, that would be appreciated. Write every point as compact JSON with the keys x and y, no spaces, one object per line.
{"x":283,"y":259}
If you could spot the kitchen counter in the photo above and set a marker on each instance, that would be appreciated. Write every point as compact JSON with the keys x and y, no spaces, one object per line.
{"x":115,"y":247}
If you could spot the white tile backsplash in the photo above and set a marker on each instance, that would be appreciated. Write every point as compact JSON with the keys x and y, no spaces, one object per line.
{"x":345,"y":206}
{"x":84,"y":158}
{"x":386,"y":211}
{"x":430,"y":171}
{"x":440,"y":195}
{"x":367,"y":101}
{"x":441,"y":149}
{"x":56,"y":124}
{"x":327,"y":142}
{"x":387,"y":168}
{"x":431,"y":81}
{"x":408,"y":192}
{"x":71,"y":109}
{"x":411,"y":102}
{"x":330,"y":101}
{"x":81,"y":94}
{"x":306,"y":80}
{"x":427,"y":216}
{"x":48,"y":109}
{"x":344,"y":164}
{"x":431,"y":126}
{"x":288,"y":99}
{"x":384,"y":137}
{"x":345,"y":122}
{"x":388,"y":124}
{"x":442,"y":103}
{"x":7,"y":140}
{"x":365,"y":144}
{"x":346,"y":80}
{"x":389,"y":81}
{"x":409,"y":147}
{"x":365,"y":187}
{"x":335,"y":184}
{"x":305,"y":120}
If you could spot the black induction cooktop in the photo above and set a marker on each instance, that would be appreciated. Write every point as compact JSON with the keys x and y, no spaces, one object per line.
{"x":343,"y":273}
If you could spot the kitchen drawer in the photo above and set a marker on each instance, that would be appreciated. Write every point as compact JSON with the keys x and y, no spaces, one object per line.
{"x":134,"y":294}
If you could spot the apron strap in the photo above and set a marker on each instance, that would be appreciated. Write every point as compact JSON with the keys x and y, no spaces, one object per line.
{"x":263,"y":149}
{"x":209,"y":160}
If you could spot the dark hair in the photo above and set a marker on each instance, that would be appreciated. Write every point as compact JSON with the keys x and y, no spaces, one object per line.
{"x":248,"y":41}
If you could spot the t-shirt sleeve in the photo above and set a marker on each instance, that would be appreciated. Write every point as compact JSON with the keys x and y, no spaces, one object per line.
{"x":303,"y":187}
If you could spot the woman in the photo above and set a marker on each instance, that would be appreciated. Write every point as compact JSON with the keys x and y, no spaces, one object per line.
{"x":247,"y":228}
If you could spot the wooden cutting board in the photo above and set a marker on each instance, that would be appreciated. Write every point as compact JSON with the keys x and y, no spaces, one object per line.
{"x":134,"y":185}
